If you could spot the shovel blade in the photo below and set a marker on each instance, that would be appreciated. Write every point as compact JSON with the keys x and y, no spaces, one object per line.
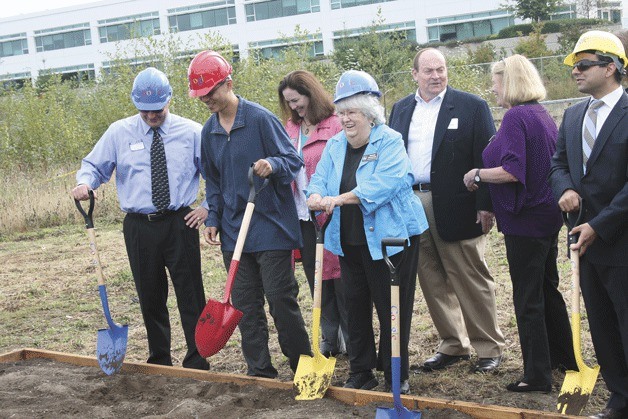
{"x":313,"y":376}
{"x":576,"y":389}
{"x":215,"y":326}
{"x":396,"y":413}
{"x":111,"y":348}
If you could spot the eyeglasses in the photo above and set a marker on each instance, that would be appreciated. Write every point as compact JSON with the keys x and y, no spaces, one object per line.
{"x":157,"y":112}
{"x":584,"y":65}
{"x":214,"y":90}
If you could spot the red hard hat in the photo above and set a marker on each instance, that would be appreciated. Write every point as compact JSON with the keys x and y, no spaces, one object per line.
{"x":206,"y":70}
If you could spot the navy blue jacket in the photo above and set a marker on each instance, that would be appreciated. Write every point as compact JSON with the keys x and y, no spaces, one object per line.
{"x":226,"y":157}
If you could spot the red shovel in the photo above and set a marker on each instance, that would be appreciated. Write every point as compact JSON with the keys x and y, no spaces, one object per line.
{"x":219,"y":318}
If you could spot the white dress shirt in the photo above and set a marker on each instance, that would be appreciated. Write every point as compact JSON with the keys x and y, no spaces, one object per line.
{"x":421,"y":135}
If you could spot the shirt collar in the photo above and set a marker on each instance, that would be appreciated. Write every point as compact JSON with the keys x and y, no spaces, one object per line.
{"x":613,"y":97}
{"x":437,"y":99}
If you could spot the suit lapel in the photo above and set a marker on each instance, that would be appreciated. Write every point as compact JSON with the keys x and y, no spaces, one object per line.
{"x":617,"y":113}
{"x":575,"y":131}
{"x":442,"y":122}
{"x":405,"y":116}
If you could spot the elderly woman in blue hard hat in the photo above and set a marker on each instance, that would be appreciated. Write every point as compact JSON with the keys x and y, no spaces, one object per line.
{"x":365,"y":179}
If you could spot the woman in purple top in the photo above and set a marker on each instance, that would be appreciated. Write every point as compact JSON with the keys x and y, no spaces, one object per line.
{"x":516,"y":166}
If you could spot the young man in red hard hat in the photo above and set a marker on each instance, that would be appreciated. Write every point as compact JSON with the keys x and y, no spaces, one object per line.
{"x":239,"y":134}
{"x":156,"y":157}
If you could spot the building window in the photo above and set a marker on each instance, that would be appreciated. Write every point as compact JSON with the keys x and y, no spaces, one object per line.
{"x":78,"y":73}
{"x":202,"y":16}
{"x":63,"y":37}
{"x":472,"y":25}
{"x":15,"y":44}
{"x":340,"y":4}
{"x":112,"y":30}
{"x":279,"y":8}
{"x":567,"y":11}
{"x":275,"y":48}
{"x":407,"y":29}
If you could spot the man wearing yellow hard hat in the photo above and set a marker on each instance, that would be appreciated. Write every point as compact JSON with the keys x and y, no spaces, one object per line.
{"x":590,"y":169}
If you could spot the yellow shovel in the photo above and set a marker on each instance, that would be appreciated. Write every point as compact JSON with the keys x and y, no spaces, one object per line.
{"x":578,"y":385}
{"x":313,"y":375}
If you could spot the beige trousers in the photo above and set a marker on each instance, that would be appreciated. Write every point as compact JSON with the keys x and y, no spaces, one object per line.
{"x":459,"y":291}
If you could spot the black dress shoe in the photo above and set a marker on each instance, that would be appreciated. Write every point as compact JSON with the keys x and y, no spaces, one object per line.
{"x":441,"y":360}
{"x":526,"y":388}
{"x":610,"y":413}
{"x":487,"y":364}
{"x":404,"y":387}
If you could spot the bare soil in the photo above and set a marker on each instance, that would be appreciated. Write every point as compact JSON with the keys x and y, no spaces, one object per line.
{"x":45,"y":389}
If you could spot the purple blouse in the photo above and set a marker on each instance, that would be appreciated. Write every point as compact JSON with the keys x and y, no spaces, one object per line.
{"x":523,"y":146}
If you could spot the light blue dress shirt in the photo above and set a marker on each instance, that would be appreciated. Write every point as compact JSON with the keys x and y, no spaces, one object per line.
{"x":125,"y":147}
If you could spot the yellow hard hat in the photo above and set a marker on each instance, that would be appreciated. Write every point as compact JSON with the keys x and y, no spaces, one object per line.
{"x":600,"y":42}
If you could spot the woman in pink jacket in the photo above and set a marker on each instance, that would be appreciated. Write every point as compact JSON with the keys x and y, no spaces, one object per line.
{"x":308,"y":112}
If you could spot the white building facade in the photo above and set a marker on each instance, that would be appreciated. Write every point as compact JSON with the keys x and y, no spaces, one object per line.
{"x":81,"y":39}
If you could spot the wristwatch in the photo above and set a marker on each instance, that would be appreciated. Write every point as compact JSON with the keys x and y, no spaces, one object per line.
{"x":477,"y":178}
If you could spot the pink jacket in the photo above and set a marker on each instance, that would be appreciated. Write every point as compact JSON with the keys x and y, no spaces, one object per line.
{"x":312,"y":151}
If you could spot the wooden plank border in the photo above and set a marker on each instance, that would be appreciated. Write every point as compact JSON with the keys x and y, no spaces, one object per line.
{"x":347,"y":396}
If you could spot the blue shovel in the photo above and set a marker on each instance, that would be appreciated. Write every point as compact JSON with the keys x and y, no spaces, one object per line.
{"x":111,"y":343}
{"x":399,"y":410}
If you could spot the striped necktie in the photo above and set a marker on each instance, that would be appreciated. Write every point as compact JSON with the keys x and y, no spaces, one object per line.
{"x":159,"y":173}
{"x":590,"y":130}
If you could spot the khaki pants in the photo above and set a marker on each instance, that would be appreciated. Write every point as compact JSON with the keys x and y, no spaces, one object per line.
{"x":459,"y":291}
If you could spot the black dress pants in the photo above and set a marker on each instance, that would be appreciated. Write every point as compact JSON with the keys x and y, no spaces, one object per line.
{"x":605,"y":293}
{"x":367,"y":283}
{"x":542,"y":319}
{"x":268,"y":274}
{"x":153,"y":246}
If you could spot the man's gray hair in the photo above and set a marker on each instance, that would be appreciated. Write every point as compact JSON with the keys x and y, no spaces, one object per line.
{"x":367,"y":104}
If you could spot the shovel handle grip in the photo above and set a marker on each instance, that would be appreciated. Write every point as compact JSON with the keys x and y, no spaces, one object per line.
{"x":573,"y":238}
{"x":320,"y":229}
{"x":393,"y":242}
{"x":252,"y":191}
{"x":89,"y":221}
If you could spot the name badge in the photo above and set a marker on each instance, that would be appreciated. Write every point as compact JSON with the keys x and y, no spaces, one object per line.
{"x":453,"y":124}
{"x":137,"y":146}
{"x":370,"y":157}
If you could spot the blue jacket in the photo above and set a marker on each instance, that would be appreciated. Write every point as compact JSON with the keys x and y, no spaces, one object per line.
{"x":226,"y":157}
{"x":384,"y":186}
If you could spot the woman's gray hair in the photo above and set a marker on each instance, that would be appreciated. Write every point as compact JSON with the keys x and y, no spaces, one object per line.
{"x":367,"y":104}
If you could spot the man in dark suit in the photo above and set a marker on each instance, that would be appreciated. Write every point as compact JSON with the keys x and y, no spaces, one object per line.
{"x":591,"y":163}
{"x":445,"y":131}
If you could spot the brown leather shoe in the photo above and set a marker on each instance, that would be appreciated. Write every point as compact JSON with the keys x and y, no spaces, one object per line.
{"x":610,"y":413}
{"x":441,"y":360}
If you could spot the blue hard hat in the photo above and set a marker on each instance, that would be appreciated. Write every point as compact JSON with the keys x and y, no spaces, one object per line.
{"x":151,"y":90}
{"x":353,"y":82}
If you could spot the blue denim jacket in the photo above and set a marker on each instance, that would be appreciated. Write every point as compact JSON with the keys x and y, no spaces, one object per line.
{"x":384,"y":186}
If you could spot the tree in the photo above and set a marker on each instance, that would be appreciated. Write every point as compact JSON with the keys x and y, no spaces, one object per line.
{"x":536,"y":10}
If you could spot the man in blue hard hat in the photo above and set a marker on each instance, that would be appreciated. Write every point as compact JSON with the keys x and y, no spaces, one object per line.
{"x":156,"y":157}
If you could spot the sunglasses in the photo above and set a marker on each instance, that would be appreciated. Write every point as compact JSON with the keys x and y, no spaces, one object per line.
{"x":584,"y":65}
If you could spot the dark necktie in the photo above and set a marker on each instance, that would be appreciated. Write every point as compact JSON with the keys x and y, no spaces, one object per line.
{"x":159,"y":173}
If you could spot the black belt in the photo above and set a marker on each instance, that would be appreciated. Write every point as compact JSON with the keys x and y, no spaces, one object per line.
{"x":158,"y":216}
{"x":422,"y":187}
